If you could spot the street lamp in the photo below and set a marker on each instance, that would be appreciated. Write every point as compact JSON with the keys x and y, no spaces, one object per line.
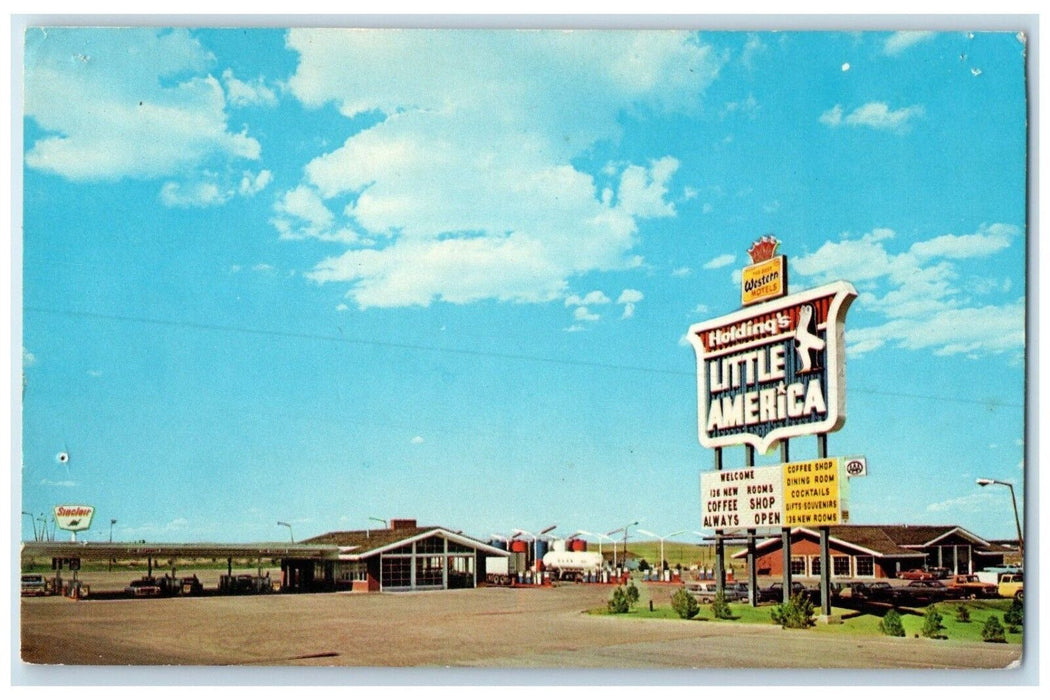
{"x":624,"y":530}
{"x":290,"y":536}
{"x":33,"y":521}
{"x":653,"y":534}
{"x":600,"y":538}
{"x":112,"y":522}
{"x":1017,"y":517}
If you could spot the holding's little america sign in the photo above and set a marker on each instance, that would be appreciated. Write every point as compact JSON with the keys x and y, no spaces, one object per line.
{"x":774,"y":370}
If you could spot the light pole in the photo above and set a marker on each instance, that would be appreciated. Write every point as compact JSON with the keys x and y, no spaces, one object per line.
{"x":624,"y":531}
{"x":600,"y":538}
{"x":1017,"y":517}
{"x":112,"y":522}
{"x":653,"y":534}
{"x":32,"y":520}
{"x":290,"y":536}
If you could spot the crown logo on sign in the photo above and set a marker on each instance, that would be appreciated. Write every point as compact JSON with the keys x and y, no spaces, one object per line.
{"x":763,"y":249}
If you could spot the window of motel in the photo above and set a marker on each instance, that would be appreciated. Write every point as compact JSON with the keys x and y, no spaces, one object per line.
{"x":840,"y":566}
{"x":864,"y":566}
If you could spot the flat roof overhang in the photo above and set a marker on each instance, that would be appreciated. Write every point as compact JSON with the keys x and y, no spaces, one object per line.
{"x":163,"y":550}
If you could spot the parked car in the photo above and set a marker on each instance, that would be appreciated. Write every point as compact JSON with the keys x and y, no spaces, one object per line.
{"x":1011,"y":586}
{"x":969,"y":586}
{"x":940,"y":572}
{"x":875,"y":591}
{"x":34,"y":584}
{"x":926,"y":593}
{"x":916,"y":575}
{"x":737,"y":592}
{"x":775,"y":592}
{"x":145,"y":587}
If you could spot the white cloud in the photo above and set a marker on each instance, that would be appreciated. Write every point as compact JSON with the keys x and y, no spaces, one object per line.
{"x":747,"y":107}
{"x":468,"y":202}
{"x":964,"y":505}
{"x":918,"y":295}
{"x":252,"y":184}
{"x":61,"y":484}
{"x":752,"y":47}
{"x":681,"y":272}
{"x":138,"y":105}
{"x":900,"y":41}
{"x":418,"y":440}
{"x":874,"y":115}
{"x":721,"y":261}
{"x":242,"y":94}
{"x":28,"y":358}
{"x":832,"y":117}
{"x":629,"y":298}
{"x":582,"y":313}
{"x":197,"y":194}
{"x":595,"y":297}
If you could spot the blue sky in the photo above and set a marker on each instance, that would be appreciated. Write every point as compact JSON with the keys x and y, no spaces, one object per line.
{"x":321,"y":276}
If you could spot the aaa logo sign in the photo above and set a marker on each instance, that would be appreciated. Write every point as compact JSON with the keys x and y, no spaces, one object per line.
{"x":775,"y":370}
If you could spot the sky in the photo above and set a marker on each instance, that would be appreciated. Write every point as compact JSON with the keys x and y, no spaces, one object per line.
{"x":333,"y":277}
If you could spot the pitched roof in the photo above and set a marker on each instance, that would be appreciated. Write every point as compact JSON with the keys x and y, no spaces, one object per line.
{"x":359,"y":544}
{"x":885,"y":540}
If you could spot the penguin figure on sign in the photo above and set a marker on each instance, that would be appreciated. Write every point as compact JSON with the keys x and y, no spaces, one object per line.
{"x":807,"y":342}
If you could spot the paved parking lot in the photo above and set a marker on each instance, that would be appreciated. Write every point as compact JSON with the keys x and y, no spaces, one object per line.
{"x":484,"y":628}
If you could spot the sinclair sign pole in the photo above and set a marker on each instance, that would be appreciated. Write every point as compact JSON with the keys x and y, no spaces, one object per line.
{"x":772,"y":371}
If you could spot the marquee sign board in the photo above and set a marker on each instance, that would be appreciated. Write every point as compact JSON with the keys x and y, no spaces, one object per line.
{"x":740,"y":499}
{"x":797,"y":494}
{"x":773,"y":370}
{"x":814,"y":493}
{"x":73,"y":518}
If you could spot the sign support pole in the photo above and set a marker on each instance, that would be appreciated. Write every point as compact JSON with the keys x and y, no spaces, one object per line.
{"x":720,"y":552}
{"x":752,"y":565}
{"x":825,"y":548}
{"x":785,"y":537}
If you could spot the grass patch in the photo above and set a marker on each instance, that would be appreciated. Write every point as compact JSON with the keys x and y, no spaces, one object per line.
{"x":858,"y":625}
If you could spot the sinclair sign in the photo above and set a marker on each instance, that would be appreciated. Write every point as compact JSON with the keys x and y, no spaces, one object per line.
{"x":73,"y":518}
{"x":774,"y":370}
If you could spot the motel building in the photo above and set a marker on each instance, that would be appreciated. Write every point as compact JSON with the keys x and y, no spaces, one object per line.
{"x":878,"y":551}
{"x":403,"y":557}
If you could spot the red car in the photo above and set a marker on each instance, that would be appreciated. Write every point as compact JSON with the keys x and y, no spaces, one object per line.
{"x":916,"y":575}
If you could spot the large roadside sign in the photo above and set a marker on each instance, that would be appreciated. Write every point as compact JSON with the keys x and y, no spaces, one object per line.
{"x":797,"y":494}
{"x":740,"y":499}
{"x":73,"y":518}
{"x":815,"y":492}
{"x":773,"y":370}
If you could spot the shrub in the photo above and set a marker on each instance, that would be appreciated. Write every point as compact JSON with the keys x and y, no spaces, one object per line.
{"x":891,"y":624}
{"x":931,"y":623}
{"x":720,"y":607}
{"x":685,"y":604}
{"x":993,"y":631}
{"x":618,"y":603}
{"x":962,"y":613}
{"x":632,"y":594}
{"x":1015,"y":615}
{"x":797,"y":613}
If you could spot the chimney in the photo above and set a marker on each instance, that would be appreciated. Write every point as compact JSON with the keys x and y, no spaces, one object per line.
{"x":402,"y":523}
